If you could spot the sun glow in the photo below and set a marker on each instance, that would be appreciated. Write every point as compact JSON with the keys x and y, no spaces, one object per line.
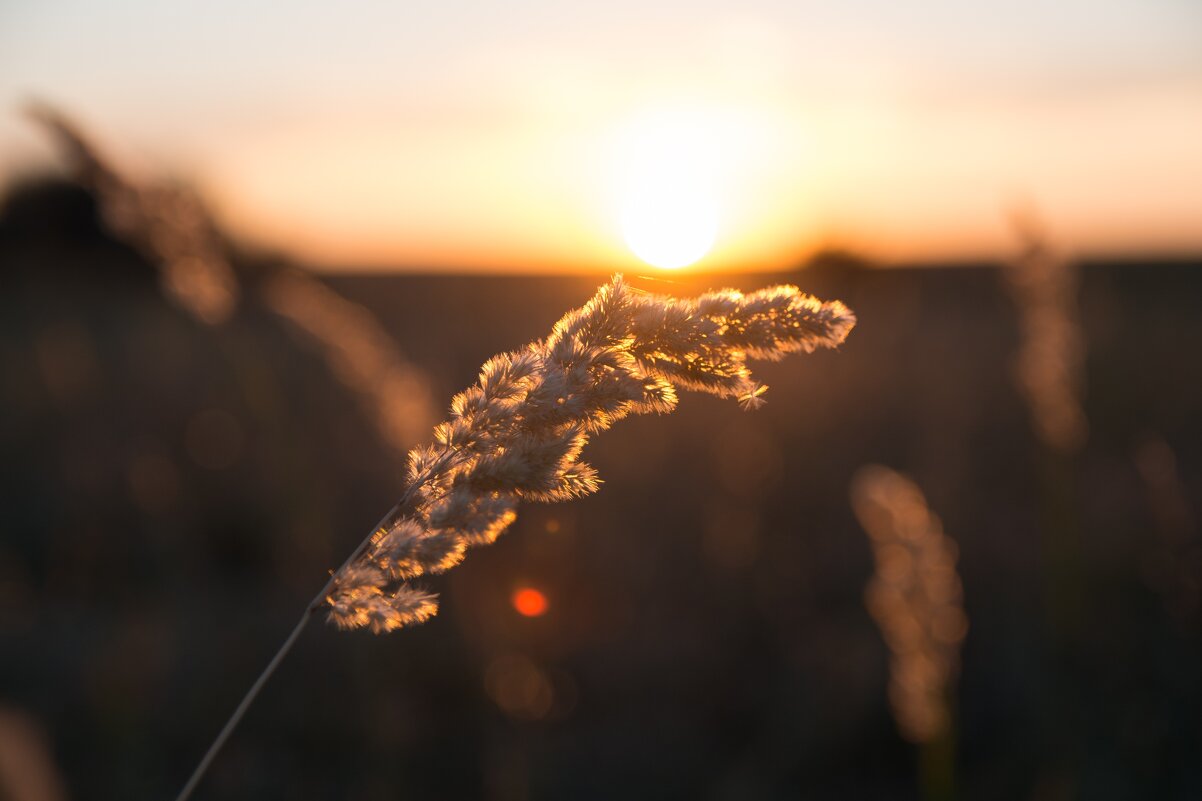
{"x":668,"y":199}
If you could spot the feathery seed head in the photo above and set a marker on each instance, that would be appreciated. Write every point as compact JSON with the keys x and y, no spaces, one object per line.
{"x":517,"y":435}
{"x":370,"y":607}
{"x":753,"y":400}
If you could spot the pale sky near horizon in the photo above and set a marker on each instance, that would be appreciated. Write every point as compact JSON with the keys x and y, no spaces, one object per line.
{"x":515,"y":135}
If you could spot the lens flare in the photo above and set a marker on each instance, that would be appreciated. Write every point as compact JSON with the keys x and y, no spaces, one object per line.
{"x":529,"y":602}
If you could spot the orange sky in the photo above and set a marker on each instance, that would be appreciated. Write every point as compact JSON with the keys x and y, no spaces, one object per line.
{"x":533,"y":137}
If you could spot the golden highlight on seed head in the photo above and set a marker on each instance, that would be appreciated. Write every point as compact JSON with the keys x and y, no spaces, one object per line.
{"x":519,"y":432}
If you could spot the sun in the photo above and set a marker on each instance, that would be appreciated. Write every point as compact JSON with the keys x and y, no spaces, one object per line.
{"x":668,"y":225}
{"x":668,"y":205}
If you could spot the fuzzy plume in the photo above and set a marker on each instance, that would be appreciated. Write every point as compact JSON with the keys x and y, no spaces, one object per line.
{"x":166,"y":222}
{"x":518,"y":433}
{"x":173,"y":229}
{"x":1050,"y":364}
{"x":915,"y":596}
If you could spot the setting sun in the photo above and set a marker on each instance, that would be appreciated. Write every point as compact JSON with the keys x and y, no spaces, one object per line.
{"x":669,"y":226}
{"x":668,"y":198}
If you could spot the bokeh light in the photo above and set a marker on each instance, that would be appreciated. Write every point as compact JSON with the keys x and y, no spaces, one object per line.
{"x":529,"y":602}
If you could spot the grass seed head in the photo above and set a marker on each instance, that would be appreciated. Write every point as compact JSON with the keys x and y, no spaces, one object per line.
{"x":518,"y":434}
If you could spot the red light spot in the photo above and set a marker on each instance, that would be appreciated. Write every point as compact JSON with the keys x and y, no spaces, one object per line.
{"x":529,"y":602}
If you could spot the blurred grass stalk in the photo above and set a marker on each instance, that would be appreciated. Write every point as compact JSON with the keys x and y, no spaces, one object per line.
{"x":916,"y":597}
{"x":27,"y":768}
{"x":1050,"y":375}
{"x":1173,"y":565}
{"x":171,"y":227}
{"x":166,"y":222}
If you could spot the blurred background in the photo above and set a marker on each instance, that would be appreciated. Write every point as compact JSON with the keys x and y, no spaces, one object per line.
{"x":247,"y":257}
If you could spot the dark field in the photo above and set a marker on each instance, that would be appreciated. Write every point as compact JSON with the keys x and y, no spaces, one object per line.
{"x":175,"y":493}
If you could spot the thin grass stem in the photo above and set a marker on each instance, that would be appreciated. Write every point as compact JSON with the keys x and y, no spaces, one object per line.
{"x":314,"y":606}
{"x":235,"y":718}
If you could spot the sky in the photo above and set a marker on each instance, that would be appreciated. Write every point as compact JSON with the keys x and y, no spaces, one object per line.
{"x":536,"y":135}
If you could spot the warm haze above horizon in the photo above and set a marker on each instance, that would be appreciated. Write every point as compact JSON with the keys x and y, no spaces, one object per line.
{"x":540,"y":137}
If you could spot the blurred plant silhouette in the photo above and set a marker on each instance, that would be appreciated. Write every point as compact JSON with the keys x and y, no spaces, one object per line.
{"x":916,"y":598}
{"x":27,"y":768}
{"x":171,"y":227}
{"x":1050,"y":367}
{"x":167,"y":223}
{"x":1173,"y":565}
{"x":1050,"y":376}
{"x":358,"y":352}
